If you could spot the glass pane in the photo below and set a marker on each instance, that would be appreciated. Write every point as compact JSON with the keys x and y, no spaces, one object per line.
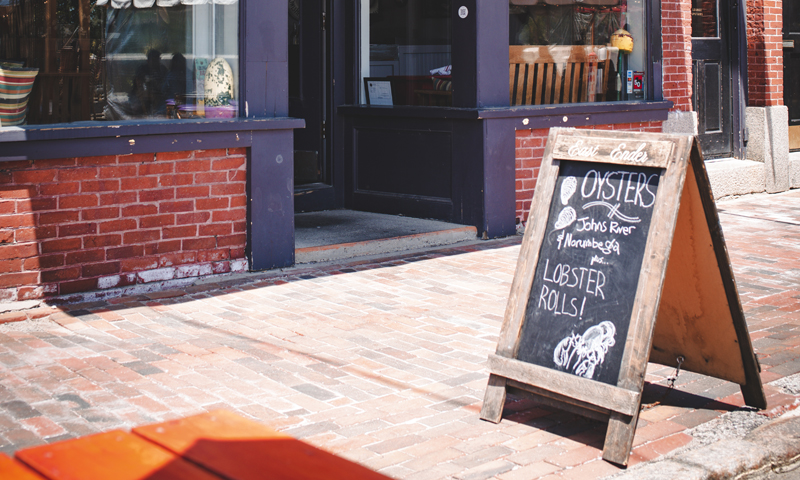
{"x":409,"y":47}
{"x":791,"y":17}
{"x":101,"y":60}
{"x":704,"y":18}
{"x":572,"y":51}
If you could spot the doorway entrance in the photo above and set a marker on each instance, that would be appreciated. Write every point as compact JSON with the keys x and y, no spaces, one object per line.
{"x":309,"y":95}
{"x":791,"y":69}
{"x":713,"y":92}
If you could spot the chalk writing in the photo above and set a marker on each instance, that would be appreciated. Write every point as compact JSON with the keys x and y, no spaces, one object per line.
{"x":606,"y":247}
{"x":565,"y":275}
{"x":586,"y":276}
{"x":581,"y":150}
{"x":638,"y":155}
{"x":637,"y":187}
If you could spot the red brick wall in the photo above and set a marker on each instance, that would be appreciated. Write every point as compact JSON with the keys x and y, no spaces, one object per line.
{"x":765,"y":52}
{"x":676,"y":28}
{"x":530,"y":150}
{"x":73,"y":225}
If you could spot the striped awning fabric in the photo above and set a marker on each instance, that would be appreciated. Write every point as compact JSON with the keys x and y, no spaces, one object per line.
{"x":158,"y":3}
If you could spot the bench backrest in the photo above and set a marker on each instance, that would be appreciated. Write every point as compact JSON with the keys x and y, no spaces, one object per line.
{"x":556,"y":74}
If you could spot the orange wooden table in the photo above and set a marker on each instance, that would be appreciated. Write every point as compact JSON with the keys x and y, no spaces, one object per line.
{"x":211,"y":446}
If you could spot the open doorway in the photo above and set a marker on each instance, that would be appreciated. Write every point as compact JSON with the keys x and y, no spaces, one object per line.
{"x":309,"y":92}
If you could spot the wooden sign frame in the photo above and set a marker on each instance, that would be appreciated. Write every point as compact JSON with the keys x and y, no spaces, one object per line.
{"x":719,"y":345}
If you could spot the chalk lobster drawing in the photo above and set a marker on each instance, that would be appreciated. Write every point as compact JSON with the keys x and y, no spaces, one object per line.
{"x":587,"y":350}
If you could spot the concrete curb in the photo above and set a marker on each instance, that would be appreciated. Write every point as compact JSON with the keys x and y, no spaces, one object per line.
{"x":774,"y":446}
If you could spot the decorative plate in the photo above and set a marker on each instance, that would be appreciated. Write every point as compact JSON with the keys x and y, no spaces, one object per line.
{"x":219,"y":83}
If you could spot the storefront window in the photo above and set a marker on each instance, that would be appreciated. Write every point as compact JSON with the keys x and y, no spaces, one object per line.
{"x":104,"y":60}
{"x":409,"y":53}
{"x":569,"y":51}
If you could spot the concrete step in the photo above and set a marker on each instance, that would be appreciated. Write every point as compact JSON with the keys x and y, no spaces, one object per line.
{"x":730,"y":176}
{"x":342,"y":234}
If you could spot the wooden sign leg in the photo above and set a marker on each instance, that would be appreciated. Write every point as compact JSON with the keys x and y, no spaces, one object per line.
{"x":494,"y":399}
{"x":619,"y":438}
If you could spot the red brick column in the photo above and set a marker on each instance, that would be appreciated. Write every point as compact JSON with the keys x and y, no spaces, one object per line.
{"x":79,"y":224}
{"x":676,"y":25}
{"x":765,"y":52}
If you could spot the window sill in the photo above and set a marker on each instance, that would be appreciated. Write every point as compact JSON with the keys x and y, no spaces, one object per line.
{"x":537,"y":116}
{"x":83,"y":139}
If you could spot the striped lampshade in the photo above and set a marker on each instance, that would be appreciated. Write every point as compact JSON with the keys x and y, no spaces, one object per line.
{"x":15,"y":88}
{"x":159,"y":3}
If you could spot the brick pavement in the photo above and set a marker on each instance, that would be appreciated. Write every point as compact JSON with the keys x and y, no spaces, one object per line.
{"x":382,"y":361}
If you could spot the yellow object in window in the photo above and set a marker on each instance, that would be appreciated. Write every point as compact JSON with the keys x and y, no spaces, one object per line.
{"x":623,"y":40}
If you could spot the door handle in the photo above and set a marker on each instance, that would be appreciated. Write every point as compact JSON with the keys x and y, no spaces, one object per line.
{"x":788,"y":44}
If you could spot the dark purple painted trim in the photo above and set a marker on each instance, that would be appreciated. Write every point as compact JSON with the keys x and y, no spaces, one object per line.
{"x":539,"y":116}
{"x":271,"y":200}
{"x":92,"y":139}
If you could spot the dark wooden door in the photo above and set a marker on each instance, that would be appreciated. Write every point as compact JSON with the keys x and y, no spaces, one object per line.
{"x":791,"y":68}
{"x":308,"y":95}
{"x":712,"y":93}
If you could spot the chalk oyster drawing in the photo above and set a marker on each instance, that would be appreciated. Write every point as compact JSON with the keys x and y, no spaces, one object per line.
{"x":568,"y":188}
{"x":587,"y":350}
{"x":566,"y":218}
{"x":568,"y":215}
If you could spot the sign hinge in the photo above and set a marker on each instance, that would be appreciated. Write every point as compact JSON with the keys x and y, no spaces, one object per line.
{"x":324,"y":129}
{"x":324,"y":20}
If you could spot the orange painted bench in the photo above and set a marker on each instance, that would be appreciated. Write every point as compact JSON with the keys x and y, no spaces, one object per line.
{"x":212,"y":446}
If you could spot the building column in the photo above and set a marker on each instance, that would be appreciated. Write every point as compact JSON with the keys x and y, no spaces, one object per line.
{"x":767,"y":118}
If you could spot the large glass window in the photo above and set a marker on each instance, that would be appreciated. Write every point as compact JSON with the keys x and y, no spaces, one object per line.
{"x":409,"y":52}
{"x":105,"y":60}
{"x":571,"y":51}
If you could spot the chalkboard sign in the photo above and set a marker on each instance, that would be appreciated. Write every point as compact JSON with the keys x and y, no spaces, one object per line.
{"x":623,"y":232}
{"x":581,"y":301}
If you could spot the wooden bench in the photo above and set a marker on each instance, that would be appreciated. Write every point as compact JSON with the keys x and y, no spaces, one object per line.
{"x":213,"y":446}
{"x":542,"y":74}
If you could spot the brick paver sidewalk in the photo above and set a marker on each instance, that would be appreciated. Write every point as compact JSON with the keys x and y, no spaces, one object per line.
{"x":381,"y":362}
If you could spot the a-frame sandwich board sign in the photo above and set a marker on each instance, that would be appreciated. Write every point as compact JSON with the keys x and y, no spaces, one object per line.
{"x":623,"y":261}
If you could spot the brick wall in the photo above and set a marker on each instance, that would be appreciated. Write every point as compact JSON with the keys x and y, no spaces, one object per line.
{"x":676,"y":31}
{"x":765,"y":52}
{"x":530,"y":150}
{"x":74,"y":225}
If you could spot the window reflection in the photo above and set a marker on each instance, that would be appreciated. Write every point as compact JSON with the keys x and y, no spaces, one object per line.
{"x":569,"y":51}
{"x":410,"y":48}
{"x":119,"y":59}
{"x":704,"y":18}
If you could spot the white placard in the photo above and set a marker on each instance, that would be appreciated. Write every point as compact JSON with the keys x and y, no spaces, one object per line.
{"x":379,"y":92}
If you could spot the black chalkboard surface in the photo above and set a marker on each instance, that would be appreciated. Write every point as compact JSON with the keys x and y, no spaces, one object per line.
{"x":580,"y":305}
